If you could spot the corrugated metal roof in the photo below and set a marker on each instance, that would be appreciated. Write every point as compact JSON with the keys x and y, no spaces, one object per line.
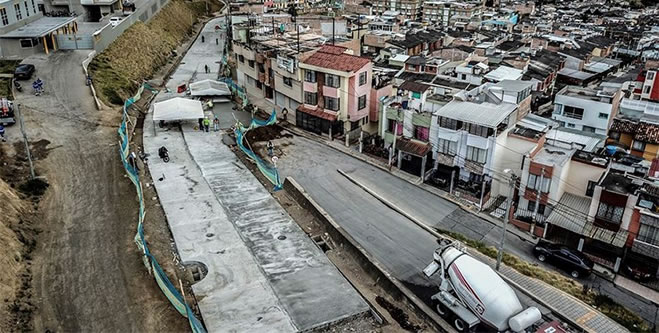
{"x":485,"y":114}
{"x":565,"y":217}
{"x":589,"y":141}
{"x":504,"y":73}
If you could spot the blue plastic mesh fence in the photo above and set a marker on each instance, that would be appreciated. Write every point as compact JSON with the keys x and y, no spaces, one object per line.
{"x":150,"y":261}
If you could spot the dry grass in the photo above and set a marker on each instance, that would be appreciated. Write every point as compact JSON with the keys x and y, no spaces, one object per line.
{"x":603,"y":303}
{"x":11,"y":255}
{"x":140,"y":51}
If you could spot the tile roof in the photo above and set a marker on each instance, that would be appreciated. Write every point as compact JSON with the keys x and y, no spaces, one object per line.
{"x":329,"y":57}
{"x":642,"y":131}
{"x":413,"y":147}
{"x":414,"y":86}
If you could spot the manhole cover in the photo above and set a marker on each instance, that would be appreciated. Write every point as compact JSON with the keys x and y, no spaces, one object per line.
{"x":210,"y":234}
{"x":282,"y":237}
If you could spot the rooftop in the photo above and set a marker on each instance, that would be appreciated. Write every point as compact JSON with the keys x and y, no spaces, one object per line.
{"x":553,"y":156}
{"x":414,"y":86}
{"x":332,"y":57}
{"x":513,"y":85}
{"x":485,"y":113}
{"x":504,"y":73}
{"x":39,"y":28}
{"x":619,"y":183}
{"x":586,"y":93}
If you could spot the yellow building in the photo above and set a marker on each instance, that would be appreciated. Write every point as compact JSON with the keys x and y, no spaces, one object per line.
{"x":641,"y":137}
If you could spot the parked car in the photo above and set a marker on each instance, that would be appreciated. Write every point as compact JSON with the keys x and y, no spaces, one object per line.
{"x":638,"y":270}
{"x":24,"y":72}
{"x":115,"y":21}
{"x":572,"y":261}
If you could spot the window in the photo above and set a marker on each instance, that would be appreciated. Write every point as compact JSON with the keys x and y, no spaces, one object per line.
{"x":331,"y":103}
{"x":449,"y":123}
{"x":34,"y":8}
{"x":477,"y":130}
{"x":17,"y":9}
{"x":649,"y":231}
{"x":411,"y":67}
{"x":3,"y":14}
{"x":610,"y":213}
{"x":534,"y":183}
{"x":29,"y":43}
{"x":590,"y":188}
{"x":288,"y":81}
{"x":531,"y":207}
{"x":572,"y":112}
{"x":421,"y":133}
{"x":638,"y":145}
{"x":646,"y":89}
{"x":362,"y":78}
{"x":477,"y":155}
{"x":588,"y":129}
{"x":241,"y":58}
{"x":650,"y":76}
{"x":332,"y":80}
{"x":614,"y":135}
{"x":27,"y":10}
{"x":309,"y":76}
{"x":250,"y":63}
{"x":310,"y":98}
{"x":395,"y":126}
{"x":447,"y":147}
{"x":603,"y":115}
{"x":361,"y":102}
{"x":569,"y":125}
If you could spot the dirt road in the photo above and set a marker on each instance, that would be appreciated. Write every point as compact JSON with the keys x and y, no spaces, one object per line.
{"x":88,"y":275}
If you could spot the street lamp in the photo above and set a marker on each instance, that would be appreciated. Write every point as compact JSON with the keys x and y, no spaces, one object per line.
{"x":509,"y":203}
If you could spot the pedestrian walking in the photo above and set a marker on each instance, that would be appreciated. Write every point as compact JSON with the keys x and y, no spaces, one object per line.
{"x":217,"y":41}
{"x":202,"y":38}
{"x":201,"y":124}
{"x":2,"y":133}
{"x":207,"y":124}
{"x":206,"y":68}
{"x":274,"y":160}
{"x":216,"y":124}
{"x":132,"y":159}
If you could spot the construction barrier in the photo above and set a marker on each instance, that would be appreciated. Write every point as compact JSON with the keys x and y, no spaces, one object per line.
{"x":236,"y":90}
{"x":269,"y":171}
{"x":168,"y":289}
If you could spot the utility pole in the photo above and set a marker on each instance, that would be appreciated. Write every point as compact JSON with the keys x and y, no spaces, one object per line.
{"x":450,"y":189}
{"x":509,"y":204}
{"x":27,"y":145}
{"x":333,"y":29}
{"x":538,"y":192}
{"x":297,"y":28}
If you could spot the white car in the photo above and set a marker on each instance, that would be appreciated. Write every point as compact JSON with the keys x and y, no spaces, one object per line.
{"x":115,"y":21}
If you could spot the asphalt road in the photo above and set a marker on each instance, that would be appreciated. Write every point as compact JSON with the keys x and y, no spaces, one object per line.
{"x":88,"y":274}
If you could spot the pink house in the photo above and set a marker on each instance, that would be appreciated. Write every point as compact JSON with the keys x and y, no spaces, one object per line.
{"x":336,"y":92}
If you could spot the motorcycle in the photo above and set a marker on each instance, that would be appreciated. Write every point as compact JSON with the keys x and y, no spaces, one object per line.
{"x":17,"y":85}
{"x":164,"y":154}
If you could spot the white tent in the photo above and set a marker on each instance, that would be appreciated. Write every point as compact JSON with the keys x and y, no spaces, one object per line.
{"x":209,"y":88}
{"x":177,"y":109}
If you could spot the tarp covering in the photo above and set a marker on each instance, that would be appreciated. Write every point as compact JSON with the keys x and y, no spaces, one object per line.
{"x":178,"y":109}
{"x":209,"y":88}
{"x":270,"y":171}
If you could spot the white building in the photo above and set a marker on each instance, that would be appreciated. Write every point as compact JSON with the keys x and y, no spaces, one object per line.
{"x":587,"y":109}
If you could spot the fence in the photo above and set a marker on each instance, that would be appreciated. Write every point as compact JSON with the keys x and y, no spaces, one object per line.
{"x":150,"y":261}
{"x":267,"y":170}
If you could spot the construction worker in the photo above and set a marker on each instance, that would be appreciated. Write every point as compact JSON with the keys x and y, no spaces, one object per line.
{"x":216,"y":124}
{"x":2,"y":133}
{"x":207,"y":124}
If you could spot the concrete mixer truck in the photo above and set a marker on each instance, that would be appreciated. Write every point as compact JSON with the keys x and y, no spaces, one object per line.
{"x":471,"y":293}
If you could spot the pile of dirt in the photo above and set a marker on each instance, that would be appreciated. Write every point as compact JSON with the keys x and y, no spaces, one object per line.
{"x":141,"y":50}
{"x":398,"y":314}
{"x":267,"y":133}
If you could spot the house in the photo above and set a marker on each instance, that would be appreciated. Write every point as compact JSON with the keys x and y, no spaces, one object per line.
{"x":414,"y":43}
{"x":641,"y":136}
{"x":587,"y":109}
{"x":336,"y":91}
{"x":650,"y":88}
{"x":93,"y":10}
{"x":410,"y":9}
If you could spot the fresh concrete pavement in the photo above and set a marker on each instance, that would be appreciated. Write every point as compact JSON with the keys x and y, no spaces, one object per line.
{"x":264,"y":273}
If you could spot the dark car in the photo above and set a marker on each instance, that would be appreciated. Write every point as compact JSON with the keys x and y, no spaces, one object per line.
{"x":638,"y":270}
{"x":572,"y":261}
{"x":24,"y":72}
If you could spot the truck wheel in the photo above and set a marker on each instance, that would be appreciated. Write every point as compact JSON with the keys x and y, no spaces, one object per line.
{"x":460,"y":325}
{"x":442,"y":310}
{"x":542,"y":258}
{"x":575,"y":274}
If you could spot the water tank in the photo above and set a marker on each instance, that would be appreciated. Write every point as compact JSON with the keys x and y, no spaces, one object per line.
{"x":524,"y":319}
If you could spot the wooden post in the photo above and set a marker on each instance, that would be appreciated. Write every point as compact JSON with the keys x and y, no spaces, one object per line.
{"x":45,"y":45}
{"x":52,"y":38}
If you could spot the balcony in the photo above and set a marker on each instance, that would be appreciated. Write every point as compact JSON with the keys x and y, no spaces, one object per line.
{"x":95,"y":2}
{"x":474,"y":167}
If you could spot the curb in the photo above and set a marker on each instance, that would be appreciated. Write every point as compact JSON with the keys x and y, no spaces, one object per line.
{"x":438,"y":235}
{"x":296,"y":190}
{"x":365,"y":159}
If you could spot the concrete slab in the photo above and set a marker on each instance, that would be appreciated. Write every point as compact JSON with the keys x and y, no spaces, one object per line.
{"x":310,"y":288}
{"x":234,"y":296}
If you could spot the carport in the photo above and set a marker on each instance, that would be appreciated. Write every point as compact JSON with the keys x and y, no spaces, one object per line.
{"x":31,"y":35}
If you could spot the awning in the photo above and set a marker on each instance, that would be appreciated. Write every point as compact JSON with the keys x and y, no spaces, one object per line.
{"x":39,"y":28}
{"x":317,"y":113}
{"x":568,"y":218}
{"x":413,"y":147}
{"x":178,"y":109}
{"x":209,"y":88}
